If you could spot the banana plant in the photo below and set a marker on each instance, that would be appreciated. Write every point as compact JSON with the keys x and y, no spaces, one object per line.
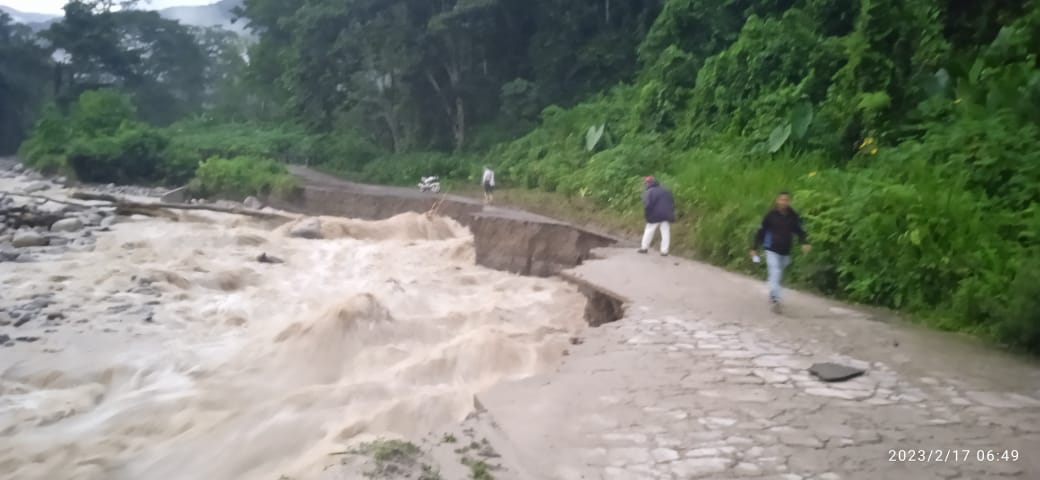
{"x":593,"y":137}
{"x":797,"y":126}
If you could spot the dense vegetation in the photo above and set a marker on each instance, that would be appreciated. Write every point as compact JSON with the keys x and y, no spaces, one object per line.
{"x":114,"y":93}
{"x":906,"y":129}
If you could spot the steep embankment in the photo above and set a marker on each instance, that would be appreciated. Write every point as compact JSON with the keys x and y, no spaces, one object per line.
{"x":505,"y":239}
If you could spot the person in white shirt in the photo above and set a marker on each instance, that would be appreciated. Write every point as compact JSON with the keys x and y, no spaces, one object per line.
{"x":488,"y":182}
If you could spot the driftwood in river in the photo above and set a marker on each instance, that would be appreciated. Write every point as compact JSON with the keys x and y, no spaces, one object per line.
{"x":159,"y":209}
{"x":42,"y":199}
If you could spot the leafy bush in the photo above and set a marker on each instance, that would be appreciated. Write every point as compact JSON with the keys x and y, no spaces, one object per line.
{"x":45,"y":147}
{"x":407,"y":169}
{"x":1021,"y":314}
{"x":519,"y":100}
{"x":241,"y":176}
{"x":100,"y":140}
{"x":99,"y":113}
{"x":553,"y":155}
{"x":209,"y":139}
{"x":133,"y":153}
{"x":345,"y":152}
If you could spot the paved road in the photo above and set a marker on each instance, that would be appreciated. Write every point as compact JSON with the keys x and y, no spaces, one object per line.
{"x":318,"y":179}
{"x":700,"y":381}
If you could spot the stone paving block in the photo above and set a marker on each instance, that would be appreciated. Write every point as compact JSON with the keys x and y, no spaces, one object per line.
{"x":832,"y":372}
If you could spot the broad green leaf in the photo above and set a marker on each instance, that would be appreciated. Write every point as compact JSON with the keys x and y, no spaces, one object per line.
{"x":593,"y":136}
{"x":801,"y":118}
{"x":976,"y":70}
{"x":915,"y":237}
{"x":779,"y":137}
{"x":938,"y":85}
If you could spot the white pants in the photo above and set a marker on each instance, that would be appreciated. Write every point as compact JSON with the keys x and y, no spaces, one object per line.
{"x":666,"y":235}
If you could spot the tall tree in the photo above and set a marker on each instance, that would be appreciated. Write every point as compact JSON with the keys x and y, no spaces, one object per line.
{"x":226,"y":92}
{"x":427,"y":73}
{"x":379,"y":90}
{"x":457,"y":59}
{"x":155,"y":59}
{"x":24,"y":74}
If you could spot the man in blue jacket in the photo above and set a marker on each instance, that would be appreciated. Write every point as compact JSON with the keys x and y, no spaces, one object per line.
{"x":779,"y":227}
{"x":659,"y":210}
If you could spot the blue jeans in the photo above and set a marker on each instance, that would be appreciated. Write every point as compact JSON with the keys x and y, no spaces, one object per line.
{"x":776,"y":264}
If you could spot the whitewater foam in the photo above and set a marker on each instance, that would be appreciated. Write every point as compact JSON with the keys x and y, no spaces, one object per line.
{"x":246,"y":370}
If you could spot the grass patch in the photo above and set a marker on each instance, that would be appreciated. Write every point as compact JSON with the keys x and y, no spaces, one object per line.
{"x":474,"y":456}
{"x":396,"y":459}
{"x":478,"y":469}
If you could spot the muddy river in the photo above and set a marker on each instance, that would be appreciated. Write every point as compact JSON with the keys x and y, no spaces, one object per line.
{"x":164,"y":349}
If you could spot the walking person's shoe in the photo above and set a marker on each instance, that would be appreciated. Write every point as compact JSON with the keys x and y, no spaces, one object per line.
{"x":664,"y":254}
{"x":642,"y":250}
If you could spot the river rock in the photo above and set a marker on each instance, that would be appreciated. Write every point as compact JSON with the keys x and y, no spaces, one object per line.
{"x":253,"y":202}
{"x":265,"y":258}
{"x":25,"y":258}
{"x":67,"y":225}
{"x":8,"y":255}
{"x":35,"y":187}
{"x":18,"y":168}
{"x":23,"y":318}
{"x":29,"y":238}
{"x":306,"y":228}
{"x":93,"y":219}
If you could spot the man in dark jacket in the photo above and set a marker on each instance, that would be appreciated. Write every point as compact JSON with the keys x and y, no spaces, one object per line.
{"x":776,"y":234}
{"x":659,"y":210}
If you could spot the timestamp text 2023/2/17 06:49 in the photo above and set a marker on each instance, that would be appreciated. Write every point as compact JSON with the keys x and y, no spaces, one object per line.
{"x":953,"y":455}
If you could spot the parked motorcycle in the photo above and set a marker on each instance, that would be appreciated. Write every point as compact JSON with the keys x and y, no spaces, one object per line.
{"x":430,"y":184}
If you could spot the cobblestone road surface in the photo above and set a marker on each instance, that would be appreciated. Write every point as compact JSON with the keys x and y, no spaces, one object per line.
{"x":699,"y":380}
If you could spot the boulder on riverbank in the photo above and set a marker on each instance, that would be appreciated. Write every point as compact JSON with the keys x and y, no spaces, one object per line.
{"x":29,"y":238}
{"x":67,"y":225}
{"x":309,"y":228}
{"x":253,"y":202}
{"x":36,"y":187}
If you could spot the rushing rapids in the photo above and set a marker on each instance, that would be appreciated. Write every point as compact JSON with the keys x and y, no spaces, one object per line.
{"x":169,"y":351}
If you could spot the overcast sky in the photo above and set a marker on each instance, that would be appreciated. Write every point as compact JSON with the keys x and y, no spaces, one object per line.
{"x":54,"y":6}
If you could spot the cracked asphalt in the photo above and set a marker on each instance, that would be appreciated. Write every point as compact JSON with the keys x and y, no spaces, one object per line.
{"x":699,"y":380}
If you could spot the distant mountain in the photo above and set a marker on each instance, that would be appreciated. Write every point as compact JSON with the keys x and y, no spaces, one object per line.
{"x":214,"y":15}
{"x":37,"y":21}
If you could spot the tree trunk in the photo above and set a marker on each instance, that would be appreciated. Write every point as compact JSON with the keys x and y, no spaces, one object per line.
{"x":460,"y":124}
{"x":457,"y":114}
{"x":130,"y":207}
{"x":395,"y":131}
